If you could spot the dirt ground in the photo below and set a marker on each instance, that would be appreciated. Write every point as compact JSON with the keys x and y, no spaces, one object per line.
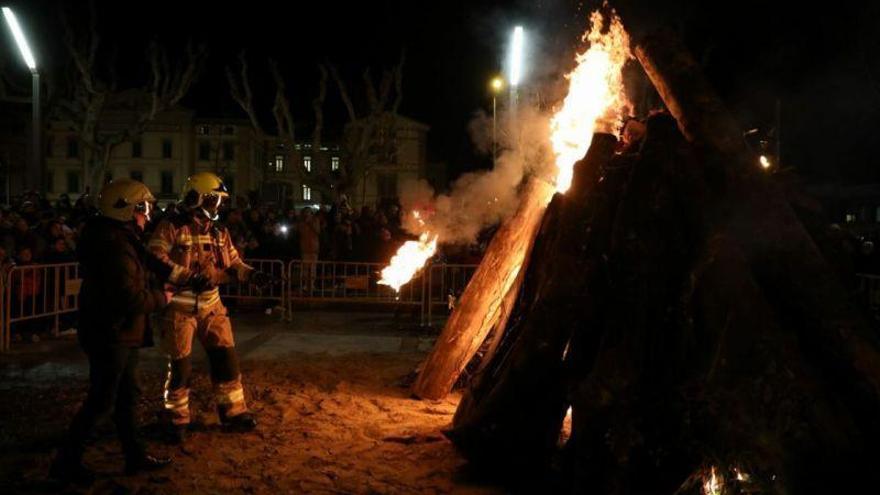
{"x":328,"y":424}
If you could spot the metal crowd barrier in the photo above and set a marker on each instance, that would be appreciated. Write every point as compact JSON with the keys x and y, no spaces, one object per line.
{"x":41,"y":292}
{"x":249,"y":292}
{"x":344,"y":281}
{"x":38,"y":292}
{"x":446,"y":282}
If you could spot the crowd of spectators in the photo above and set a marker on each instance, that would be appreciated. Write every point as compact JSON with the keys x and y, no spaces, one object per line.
{"x":35,"y":230}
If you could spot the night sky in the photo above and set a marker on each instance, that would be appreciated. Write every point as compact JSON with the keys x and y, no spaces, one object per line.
{"x":822,"y":63}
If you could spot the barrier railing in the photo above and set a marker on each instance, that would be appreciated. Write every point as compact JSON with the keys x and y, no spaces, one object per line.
{"x":345,"y":281}
{"x":446,"y":282}
{"x":249,"y":292}
{"x":39,"y":292}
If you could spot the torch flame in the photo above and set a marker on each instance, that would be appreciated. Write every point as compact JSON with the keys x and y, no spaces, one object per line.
{"x":410,"y":258}
{"x":596,"y":99}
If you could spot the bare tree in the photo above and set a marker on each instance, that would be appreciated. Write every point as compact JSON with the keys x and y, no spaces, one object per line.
{"x":369,"y":139}
{"x":240,"y":89}
{"x":90,"y":94}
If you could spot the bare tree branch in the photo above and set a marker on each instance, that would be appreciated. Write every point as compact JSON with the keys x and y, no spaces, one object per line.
{"x":343,"y":93}
{"x":240,"y":90}
{"x":318,"y":107}
{"x":370,"y":88}
{"x":398,"y":83}
{"x":281,"y":108}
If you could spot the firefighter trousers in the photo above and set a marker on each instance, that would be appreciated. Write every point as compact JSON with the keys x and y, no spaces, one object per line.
{"x":213,"y":329}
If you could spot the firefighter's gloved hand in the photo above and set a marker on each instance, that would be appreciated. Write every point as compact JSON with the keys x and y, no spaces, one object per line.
{"x":199,"y":282}
{"x":263,"y":280}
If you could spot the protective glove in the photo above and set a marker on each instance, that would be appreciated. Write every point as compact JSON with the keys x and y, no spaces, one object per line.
{"x":199,"y":282}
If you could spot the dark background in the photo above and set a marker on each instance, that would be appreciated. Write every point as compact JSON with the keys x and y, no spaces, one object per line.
{"x":821,"y":62}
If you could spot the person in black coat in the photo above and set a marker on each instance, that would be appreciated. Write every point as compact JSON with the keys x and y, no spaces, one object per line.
{"x":116,"y":299}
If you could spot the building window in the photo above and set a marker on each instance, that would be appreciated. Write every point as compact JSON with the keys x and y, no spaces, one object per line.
{"x":108,"y":176}
{"x":279,"y":163}
{"x":166,"y":148}
{"x":334,"y":163}
{"x":167,"y":184}
{"x":387,"y":185}
{"x":204,"y":130}
{"x":137,"y":149}
{"x":850,"y":217}
{"x":136,"y":175}
{"x":50,"y":182}
{"x":72,"y":182}
{"x":307,"y":193}
{"x":228,"y":130}
{"x":229,"y":150}
{"x":307,"y":163}
{"x":204,"y":151}
{"x":72,"y":147}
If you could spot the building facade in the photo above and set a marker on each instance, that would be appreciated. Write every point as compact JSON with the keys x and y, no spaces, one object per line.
{"x":178,"y":143}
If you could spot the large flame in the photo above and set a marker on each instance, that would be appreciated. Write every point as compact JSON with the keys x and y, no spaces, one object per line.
{"x":410,"y":258}
{"x":596,"y":98}
{"x":595,"y":102}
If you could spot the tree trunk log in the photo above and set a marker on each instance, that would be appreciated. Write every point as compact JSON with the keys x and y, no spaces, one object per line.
{"x":480,"y":306}
{"x":516,"y":419}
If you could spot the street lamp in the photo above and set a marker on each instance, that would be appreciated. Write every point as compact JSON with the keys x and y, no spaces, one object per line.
{"x":35,"y":176}
{"x":497,"y":85}
{"x":516,"y":65}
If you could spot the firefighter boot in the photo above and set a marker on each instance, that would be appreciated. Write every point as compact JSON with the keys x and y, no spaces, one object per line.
{"x":145,"y":462}
{"x":240,"y":423}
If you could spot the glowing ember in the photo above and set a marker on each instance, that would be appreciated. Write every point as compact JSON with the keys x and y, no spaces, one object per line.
{"x":565,"y":432}
{"x":596,"y":98}
{"x":712,"y":485}
{"x":410,"y":258}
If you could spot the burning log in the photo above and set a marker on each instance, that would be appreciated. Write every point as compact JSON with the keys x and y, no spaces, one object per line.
{"x":516,"y":406}
{"x":480,"y":306}
{"x":710,"y":345}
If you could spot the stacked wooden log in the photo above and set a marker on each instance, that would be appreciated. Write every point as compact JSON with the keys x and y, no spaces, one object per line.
{"x":676,"y":303}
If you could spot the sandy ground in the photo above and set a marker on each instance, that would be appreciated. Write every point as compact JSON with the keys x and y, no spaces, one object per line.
{"x":329,"y":423}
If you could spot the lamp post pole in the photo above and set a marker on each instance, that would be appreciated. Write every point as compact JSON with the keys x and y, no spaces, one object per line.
{"x":34,"y":177}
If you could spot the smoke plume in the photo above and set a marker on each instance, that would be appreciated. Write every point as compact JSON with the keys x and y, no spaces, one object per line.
{"x":480,"y":199}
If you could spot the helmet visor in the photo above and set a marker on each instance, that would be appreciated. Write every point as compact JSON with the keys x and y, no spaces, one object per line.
{"x":145,"y":208}
{"x":212,"y":203}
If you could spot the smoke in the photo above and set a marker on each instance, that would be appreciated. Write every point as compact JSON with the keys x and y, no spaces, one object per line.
{"x":481,"y":199}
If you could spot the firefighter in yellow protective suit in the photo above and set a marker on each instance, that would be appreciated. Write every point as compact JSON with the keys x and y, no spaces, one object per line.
{"x":202,"y":257}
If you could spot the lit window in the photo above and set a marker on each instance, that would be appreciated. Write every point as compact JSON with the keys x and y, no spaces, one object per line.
{"x":204,"y":130}
{"x":850,"y":217}
{"x":279,"y":163}
{"x":307,"y":163}
{"x":334,"y":163}
{"x":307,"y":193}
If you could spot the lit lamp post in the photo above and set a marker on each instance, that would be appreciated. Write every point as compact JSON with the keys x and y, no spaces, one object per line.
{"x":497,"y":85}
{"x":33,"y":179}
{"x":516,"y":66}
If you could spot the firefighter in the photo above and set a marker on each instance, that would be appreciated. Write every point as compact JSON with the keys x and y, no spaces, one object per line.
{"x":201,"y":256}
{"x":115,"y":300}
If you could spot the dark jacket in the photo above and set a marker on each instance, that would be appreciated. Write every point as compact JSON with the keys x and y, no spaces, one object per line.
{"x":118,"y":291}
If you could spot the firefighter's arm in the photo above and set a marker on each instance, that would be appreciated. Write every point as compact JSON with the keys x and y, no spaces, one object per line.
{"x":160,"y":245}
{"x":131,"y":294}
